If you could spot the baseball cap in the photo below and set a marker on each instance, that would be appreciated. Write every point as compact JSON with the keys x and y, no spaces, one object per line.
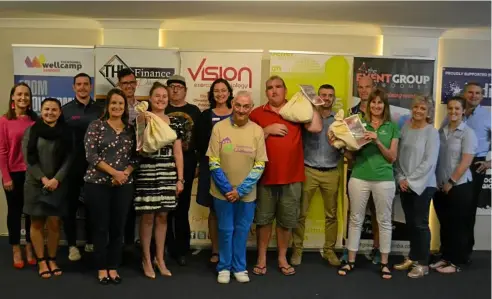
{"x":176,"y":79}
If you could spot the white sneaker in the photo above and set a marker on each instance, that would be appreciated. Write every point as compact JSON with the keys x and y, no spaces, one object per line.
{"x":242,"y":276}
{"x":74,"y":254}
{"x":224,"y":276}
{"x":89,"y":248}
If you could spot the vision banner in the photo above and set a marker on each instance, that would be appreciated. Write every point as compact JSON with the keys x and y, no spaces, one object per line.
{"x":149,"y":65}
{"x":202,"y":68}
{"x":49,"y":70}
{"x":402,"y":78}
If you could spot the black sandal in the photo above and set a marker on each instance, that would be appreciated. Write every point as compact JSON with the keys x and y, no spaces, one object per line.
{"x":385,"y":273}
{"x":57,"y":271}
{"x":44,"y":273}
{"x":343,"y":268}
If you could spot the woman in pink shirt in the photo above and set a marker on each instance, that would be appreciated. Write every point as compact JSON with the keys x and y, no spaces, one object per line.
{"x":18,"y":118}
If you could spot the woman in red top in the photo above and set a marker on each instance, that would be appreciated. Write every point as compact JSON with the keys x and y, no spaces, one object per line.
{"x":18,"y":118}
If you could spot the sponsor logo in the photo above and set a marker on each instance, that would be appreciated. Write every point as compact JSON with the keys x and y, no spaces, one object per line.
{"x":111,"y":68}
{"x":391,"y":79}
{"x":212,"y":73}
{"x":40,"y":62}
{"x":226,"y":145}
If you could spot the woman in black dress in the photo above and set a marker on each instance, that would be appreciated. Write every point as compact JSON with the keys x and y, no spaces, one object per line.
{"x":219,"y":97}
{"x":47,"y":149}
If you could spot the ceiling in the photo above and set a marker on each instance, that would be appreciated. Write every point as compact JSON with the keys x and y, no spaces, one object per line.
{"x":441,"y":14}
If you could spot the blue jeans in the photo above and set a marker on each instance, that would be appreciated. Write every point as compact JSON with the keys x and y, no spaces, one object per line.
{"x":234,"y":221}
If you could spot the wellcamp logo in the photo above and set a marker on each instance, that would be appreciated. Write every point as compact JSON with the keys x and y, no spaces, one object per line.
{"x":40,"y":62}
{"x":110,"y":72}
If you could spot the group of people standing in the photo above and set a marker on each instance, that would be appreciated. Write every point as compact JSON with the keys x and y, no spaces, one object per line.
{"x":252,"y":166}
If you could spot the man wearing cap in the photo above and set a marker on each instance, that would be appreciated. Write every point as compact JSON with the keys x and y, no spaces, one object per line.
{"x":178,"y":233}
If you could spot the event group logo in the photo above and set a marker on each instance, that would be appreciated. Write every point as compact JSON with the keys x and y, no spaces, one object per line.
{"x":111,"y":68}
{"x":391,"y":79}
{"x":40,"y":62}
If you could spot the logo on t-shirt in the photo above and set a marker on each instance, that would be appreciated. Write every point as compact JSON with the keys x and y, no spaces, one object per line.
{"x":226,"y":145}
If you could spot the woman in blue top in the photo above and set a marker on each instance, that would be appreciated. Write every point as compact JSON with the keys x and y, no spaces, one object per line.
{"x":453,"y":201}
{"x":219,"y":97}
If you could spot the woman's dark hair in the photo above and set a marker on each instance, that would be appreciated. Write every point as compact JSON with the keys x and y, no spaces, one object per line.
{"x":458,"y":99}
{"x":211,"y":98}
{"x":155,"y":86}
{"x":381,"y":93}
{"x":10,"y":114}
{"x":126,"y":115}
{"x":60,"y":119}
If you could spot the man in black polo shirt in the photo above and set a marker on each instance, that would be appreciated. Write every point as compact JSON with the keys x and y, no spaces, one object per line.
{"x":78,"y":114}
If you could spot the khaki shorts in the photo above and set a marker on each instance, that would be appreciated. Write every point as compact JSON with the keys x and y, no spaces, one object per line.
{"x":280,"y":202}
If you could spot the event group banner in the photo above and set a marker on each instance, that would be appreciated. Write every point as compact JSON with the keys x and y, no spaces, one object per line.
{"x":149,"y":66}
{"x":454,"y":80}
{"x":201,"y":69}
{"x":316,"y":70}
{"x":402,"y":78}
{"x":49,"y":70}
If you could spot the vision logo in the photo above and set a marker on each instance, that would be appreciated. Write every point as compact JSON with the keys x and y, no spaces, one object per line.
{"x":110,"y":71}
{"x":54,"y":66}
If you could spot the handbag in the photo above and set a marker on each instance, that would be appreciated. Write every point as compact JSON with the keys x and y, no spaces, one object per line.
{"x":52,"y":198}
{"x":298,"y":109}
{"x":157,"y":133}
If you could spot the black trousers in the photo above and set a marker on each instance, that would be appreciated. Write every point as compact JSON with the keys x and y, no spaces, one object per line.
{"x":130,"y":224}
{"x":454,"y":211}
{"x":15,"y":204}
{"x":478,"y":179}
{"x":108,"y":208}
{"x":416,"y":208}
{"x":178,"y":224}
{"x":70,"y":221}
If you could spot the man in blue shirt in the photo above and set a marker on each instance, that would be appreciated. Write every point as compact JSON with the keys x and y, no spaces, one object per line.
{"x":321,"y":169}
{"x":478,"y":118}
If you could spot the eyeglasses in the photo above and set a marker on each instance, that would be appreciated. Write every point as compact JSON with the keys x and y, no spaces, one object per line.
{"x":126,"y":83}
{"x":176,"y":87}
{"x":239,"y":106}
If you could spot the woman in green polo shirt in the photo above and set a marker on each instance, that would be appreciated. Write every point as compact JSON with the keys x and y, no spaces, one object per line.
{"x":373,"y":173}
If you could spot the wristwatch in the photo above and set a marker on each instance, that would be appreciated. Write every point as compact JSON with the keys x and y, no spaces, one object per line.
{"x":453,"y":183}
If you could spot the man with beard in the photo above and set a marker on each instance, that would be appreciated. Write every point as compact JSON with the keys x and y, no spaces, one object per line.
{"x":178,"y":232}
{"x":78,"y":114}
{"x":321,"y":169}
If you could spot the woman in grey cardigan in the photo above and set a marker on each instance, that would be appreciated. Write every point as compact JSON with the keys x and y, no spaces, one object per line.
{"x":47,"y":149}
{"x":415,"y":174}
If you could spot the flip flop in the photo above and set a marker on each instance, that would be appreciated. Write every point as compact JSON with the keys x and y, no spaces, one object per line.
{"x":257,"y":270}
{"x":286,"y":270}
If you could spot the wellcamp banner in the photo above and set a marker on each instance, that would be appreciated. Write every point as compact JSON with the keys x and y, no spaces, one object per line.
{"x":201,"y":68}
{"x":49,"y":70}
{"x":149,"y":65}
{"x":402,"y":78}
{"x":454,"y":80}
{"x":317,"y":69}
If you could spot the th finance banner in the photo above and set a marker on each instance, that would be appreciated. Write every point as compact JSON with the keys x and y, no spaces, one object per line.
{"x":149,"y":66}
{"x":49,"y":70}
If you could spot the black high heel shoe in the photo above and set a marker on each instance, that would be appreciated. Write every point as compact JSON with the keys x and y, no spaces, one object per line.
{"x":105,"y":280}
{"x":56,"y":271}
